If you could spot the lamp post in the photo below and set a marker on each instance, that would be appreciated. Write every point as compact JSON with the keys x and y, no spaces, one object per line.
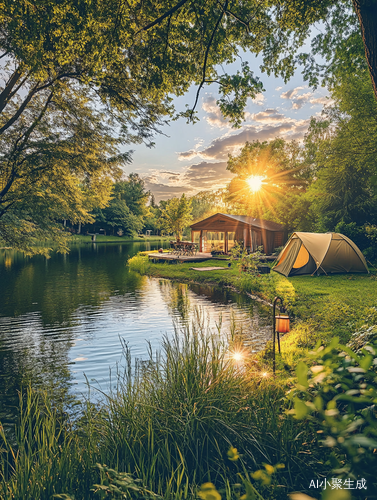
{"x":280,"y":325}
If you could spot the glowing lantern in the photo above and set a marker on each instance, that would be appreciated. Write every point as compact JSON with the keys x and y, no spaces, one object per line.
{"x":282,"y":324}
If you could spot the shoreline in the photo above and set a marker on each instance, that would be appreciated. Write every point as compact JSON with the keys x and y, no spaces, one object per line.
{"x":320,"y":307}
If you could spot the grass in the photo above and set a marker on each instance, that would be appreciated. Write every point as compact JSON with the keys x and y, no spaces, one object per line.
{"x":170,"y":421}
{"x":321,"y":306}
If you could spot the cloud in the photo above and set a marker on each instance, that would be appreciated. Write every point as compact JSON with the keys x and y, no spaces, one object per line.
{"x":278,"y":88}
{"x":206,"y":175}
{"x":298,"y":101}
{"x":188,"y":155}
{"x":220,"y":148}
{"x":323,"y":101}
{"x":259,"y":99}
{"x":214,"y":116}
{"x":194,"y":178}
{"x":163,"y":191}
{"x":270,"y":116}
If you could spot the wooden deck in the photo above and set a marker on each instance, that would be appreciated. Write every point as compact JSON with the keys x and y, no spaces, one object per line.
{"x":173,"y":258}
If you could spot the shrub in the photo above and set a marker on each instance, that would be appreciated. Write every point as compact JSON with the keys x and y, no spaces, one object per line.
{"x":337,"y":391}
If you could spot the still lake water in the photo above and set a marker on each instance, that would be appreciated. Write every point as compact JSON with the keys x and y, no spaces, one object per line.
{"x":62,"y":319}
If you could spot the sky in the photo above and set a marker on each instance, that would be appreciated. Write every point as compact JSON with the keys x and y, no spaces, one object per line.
{"x":189,"y":158}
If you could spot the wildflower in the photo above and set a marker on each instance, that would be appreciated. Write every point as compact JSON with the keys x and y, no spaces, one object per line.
{"x":233,"y":454}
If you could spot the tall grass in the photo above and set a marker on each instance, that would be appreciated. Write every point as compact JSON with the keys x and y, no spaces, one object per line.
{"x":170,"y":421}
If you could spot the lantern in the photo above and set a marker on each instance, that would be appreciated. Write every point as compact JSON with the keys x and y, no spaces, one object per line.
{"x":282,"y":324}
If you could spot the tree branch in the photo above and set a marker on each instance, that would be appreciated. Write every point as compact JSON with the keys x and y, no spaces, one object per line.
{"x":4,"y":96}
{"x":18,"y":148}
{"x":164,"y":16}
{"x":20,"y":110}
{"x":206,"y":58}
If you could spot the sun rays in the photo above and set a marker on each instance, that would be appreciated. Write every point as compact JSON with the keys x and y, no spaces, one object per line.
{"x":255,"y":182}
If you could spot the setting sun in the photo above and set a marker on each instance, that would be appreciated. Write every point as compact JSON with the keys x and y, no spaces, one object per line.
{"x":255,"y":182}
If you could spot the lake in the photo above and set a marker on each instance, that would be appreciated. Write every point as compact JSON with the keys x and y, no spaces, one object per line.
{"x":62,"y":319}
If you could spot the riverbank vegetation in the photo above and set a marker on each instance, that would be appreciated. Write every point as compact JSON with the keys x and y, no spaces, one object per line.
{"x":194,"y":414}
{"x":321,"y":306}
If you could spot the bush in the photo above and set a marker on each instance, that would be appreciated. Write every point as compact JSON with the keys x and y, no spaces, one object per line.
{"x":337,"y":391}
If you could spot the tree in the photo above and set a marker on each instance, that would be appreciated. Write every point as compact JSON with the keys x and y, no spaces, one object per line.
{"x":117,"y":215}
{"x":127,"y":209}
{"x":282,"y":174}
{"x":63,"y":61}
{"x":206,"y":203}
{"x":176,"y":215}
{"x":127,"y":59}
{"x":55,"y":163}
{"x":133,"y":192}
{"x":344,"y":155}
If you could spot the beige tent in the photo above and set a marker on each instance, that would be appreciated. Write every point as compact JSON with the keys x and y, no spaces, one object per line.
{"x":309,"y":253}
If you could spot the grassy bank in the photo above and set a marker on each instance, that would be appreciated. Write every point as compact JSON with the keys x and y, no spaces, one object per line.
{"x":321,"y":306}
{"x":170,"y":422}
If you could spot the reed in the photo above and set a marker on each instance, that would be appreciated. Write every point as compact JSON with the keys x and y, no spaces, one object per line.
{"x":170,"y":421}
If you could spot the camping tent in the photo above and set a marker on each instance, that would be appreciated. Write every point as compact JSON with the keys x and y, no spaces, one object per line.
{"x":309,"y":253}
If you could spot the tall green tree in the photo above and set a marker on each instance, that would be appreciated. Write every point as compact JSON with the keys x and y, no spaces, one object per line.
{"x":127,"y":59}
{"x":127,"y":208}
{"x":133,"y":192}
{"x":343,"y":145}
{"x":176,"y":215}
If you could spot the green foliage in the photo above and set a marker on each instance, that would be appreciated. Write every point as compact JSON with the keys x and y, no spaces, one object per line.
{"x":207,"y":203}
{"x":175,"y":215}
{"x":120,"y":485}
{"x":139,"y":263}
{"x":169,"y":422}
{"x":133,"y":193}
{"x":345,"y":161}
{"x":246,"y":262}
{"x":338,"y":392}
{"x":127,"y":209}
{"x":48,"y":173}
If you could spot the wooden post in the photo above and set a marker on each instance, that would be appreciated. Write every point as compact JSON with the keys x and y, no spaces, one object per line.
{"x":201,"y":241}
{"x":226,"y":242}
{"x":244,"y":237}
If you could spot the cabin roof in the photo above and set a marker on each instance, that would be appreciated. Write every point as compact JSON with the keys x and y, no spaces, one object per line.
{"x":245,"y":219}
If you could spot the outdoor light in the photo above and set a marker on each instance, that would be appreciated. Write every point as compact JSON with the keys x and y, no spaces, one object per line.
{"x":280,"y":325}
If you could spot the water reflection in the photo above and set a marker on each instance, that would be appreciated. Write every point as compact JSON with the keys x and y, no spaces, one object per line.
{"x":62,"y":319}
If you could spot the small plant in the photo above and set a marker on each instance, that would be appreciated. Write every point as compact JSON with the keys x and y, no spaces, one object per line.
{"x":263,"y":476}
{"x":247,"y":262}
{"x":121,"y":485}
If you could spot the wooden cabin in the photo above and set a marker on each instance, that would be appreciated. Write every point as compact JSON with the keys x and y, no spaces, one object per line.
{"x":222,"y":231}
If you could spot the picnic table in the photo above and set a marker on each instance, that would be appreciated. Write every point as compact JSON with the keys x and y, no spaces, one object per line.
{"x":184,"y":247}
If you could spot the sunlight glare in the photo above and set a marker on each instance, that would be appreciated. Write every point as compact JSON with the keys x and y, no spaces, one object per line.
{"x":237,"y":356}
{"x":255,"y":182}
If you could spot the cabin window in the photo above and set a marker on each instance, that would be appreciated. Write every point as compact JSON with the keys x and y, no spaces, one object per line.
{"x":214,"y":241}
{"x":231,"y":239}
{"x":196,"y":236}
